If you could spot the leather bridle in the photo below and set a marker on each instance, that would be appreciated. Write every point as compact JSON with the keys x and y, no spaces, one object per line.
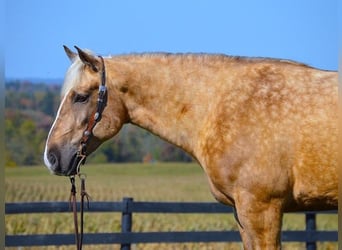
{"x":94,"y":118}
{"x":81,"y":156}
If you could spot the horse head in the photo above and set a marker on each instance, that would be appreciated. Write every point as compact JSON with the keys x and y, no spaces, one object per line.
{"x":90,"y":113}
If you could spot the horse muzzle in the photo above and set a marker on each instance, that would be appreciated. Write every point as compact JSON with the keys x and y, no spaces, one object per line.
{"x":64,"y":162}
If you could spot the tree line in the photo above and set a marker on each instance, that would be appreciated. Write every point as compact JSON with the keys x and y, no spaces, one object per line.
{"x":30,"y":109}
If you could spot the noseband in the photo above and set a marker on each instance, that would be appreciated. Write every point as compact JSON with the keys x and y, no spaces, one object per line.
{"x":94,"y":118}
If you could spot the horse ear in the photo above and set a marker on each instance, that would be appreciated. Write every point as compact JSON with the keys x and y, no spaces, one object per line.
{"x":72,"y":55}
{"x":92,"y":61}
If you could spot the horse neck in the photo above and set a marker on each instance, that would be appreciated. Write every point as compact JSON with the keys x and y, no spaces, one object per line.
{"x":163,"y":97}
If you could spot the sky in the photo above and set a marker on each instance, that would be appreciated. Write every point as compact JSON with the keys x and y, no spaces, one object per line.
{"x":36,"y":30}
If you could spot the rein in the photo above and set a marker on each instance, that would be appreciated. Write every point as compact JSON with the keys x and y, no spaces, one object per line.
{"x":80,"y":159}
{"x":73,"y":205}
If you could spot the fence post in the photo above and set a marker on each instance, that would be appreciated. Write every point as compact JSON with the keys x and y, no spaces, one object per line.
{"x":310,"y":222}
{"x":126,"y":220}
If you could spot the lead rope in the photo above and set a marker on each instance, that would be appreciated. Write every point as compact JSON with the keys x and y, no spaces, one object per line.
{"x":86,"y":195}
{"x":73,"y":205}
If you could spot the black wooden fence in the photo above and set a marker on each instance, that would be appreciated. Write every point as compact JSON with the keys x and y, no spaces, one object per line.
{"x":126,"y":237}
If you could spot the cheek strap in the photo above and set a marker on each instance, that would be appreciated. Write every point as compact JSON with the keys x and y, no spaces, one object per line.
{"x":97,"y":114}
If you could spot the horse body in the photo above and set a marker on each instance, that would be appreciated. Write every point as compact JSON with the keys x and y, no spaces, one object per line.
{"x":263,"y":130}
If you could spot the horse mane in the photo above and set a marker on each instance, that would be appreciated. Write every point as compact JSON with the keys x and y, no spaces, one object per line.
{"x":208,"y":58}
{"x":74,"y":71}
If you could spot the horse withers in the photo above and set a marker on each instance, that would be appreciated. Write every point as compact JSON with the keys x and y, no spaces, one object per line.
{"x":263,"y":130}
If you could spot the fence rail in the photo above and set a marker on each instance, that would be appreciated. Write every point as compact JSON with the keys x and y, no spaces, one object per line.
{"x":126,"y":237}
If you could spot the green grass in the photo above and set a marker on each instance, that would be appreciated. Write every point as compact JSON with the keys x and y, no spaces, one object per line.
{"x":143,"y":182}
{"x":167,"y":182}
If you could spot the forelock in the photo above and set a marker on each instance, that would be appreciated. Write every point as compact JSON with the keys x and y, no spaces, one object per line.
{"x":72,"y":76}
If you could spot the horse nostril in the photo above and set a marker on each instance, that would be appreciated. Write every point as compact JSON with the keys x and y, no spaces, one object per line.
{"x":52,"y":159}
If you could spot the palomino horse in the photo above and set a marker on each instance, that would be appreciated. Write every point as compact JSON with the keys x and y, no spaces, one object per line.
{"x":263,"y":130}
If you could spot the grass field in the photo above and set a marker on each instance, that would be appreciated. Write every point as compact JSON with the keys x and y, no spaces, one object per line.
{"x":143,"y":182}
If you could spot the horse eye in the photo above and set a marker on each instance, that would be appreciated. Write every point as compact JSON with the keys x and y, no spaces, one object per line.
{"x":81,"y":98}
